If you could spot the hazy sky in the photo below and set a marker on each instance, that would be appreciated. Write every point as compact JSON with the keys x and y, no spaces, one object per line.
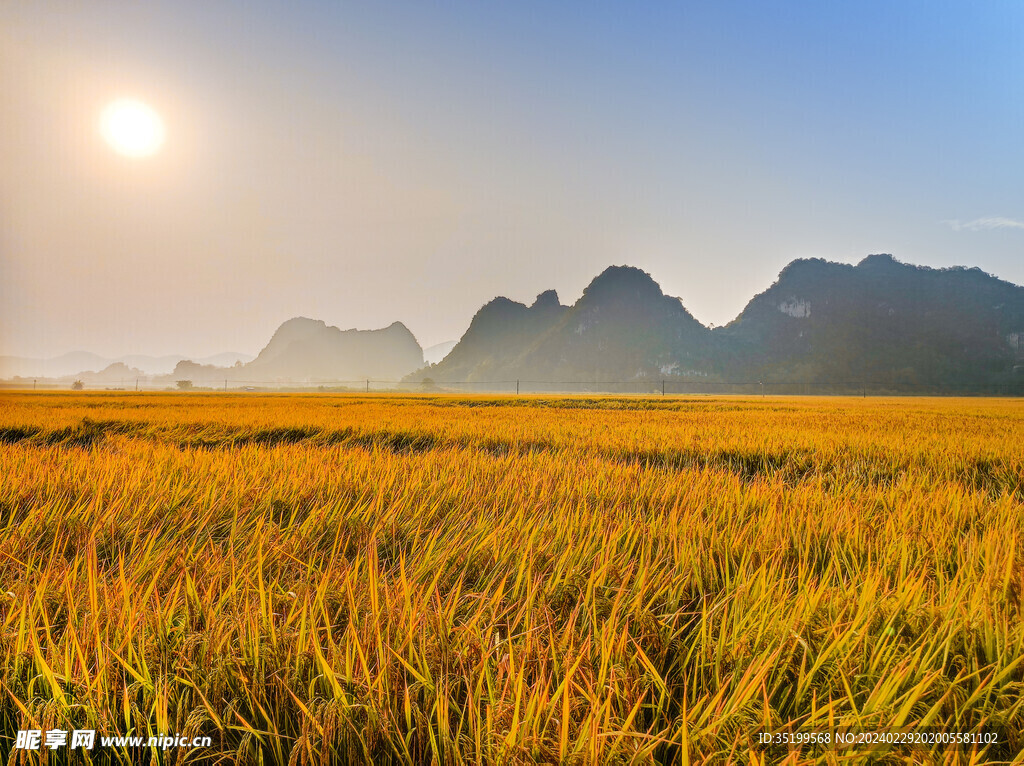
{"x":363,"y":163}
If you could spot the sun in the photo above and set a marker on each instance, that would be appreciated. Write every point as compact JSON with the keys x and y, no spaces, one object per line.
{"x":132,"y":128}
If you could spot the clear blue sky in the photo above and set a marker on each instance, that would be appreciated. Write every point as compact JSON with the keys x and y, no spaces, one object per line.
{"x":363,"y":163}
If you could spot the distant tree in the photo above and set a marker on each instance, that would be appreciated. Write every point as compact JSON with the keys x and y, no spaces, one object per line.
{"x":428,"y":384}
{"x":77,"y":385}
{"x":184,"y":385}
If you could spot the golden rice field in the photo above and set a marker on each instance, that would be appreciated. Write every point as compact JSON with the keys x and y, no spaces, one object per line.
{"x":495,"y":580}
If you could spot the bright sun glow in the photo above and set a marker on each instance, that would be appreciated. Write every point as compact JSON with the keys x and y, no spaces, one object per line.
{"x":132,"y":128}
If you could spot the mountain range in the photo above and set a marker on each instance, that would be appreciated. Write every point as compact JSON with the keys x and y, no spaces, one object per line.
{"x":301,"y":350}
{"x":820,"y":322}
{"x":881,"y":321}
{"x":77,"y":362}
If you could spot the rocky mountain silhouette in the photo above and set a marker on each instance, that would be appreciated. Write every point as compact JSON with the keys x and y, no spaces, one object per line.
{"x":310,"y":350}
{"x":117,"y":373}
{"x":622,"y":327}
{"x":300,"y":351}
{"x":821,"y":322}
{"x":498,"y":335}
{"x":881,"y":320}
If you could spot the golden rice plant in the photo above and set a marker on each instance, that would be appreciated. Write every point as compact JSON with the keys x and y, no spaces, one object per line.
{"x":500,"y":580}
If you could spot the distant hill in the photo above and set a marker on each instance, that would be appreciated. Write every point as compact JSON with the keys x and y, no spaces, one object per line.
{"x":77,"y":362}
{"x":623,"y":327}
{"x":881,"y":321}
{"x":434,"y":354}
{"x":300,"y":351}
{"x":117,"y":373}
{"x":310,"y":350}
{"x":202,"y":374}
{"x":498,"y":336}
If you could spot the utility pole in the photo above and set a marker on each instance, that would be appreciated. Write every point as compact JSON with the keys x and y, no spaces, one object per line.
{"x":34,"y":384}
{"x":663,"y":388}
{"x":136,"y":384}
{"x":517,"y":388}
{"x":225,"y":385}
{"x":367,"y":386}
